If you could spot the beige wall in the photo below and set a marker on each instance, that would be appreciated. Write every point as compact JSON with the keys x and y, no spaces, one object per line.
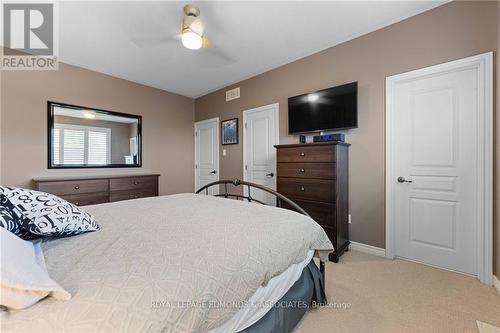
{"x":167,"y":124}
{"x":452,"y":31}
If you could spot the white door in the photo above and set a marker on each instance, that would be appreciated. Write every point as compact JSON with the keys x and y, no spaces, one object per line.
{"x":206,"y":153}
{"x":260,"y":134}
{"x":435,"y":141}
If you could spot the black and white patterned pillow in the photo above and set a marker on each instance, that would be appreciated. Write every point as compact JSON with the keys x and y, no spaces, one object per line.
{"x":44,"y":214}
{"x":8,"y":222}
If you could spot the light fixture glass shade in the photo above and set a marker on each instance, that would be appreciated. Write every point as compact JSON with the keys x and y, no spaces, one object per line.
{"x":191,"y":40}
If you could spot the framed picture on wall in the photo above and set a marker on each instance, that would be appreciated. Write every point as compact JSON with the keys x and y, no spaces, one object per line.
{"x":229,"y":129}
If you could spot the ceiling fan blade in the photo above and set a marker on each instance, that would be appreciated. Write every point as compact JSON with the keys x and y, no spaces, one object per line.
{"x":146,"y":41}
{"x":218,"y":57}
{"x":214,"y":55}
{"x":196,"y":26}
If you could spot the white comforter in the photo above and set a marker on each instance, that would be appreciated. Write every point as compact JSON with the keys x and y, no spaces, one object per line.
{"x":178,"y":263}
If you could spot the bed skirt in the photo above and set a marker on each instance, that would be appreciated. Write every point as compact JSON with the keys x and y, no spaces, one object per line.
{"x":289,"y":310}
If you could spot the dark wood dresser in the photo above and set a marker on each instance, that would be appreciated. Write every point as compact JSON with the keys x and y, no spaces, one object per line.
{"x":315,"y":176}
{"x":83,"y":191}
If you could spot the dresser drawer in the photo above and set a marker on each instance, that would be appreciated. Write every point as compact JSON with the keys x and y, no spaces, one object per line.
{"x":322,"y":213}
{"x":87,"y":199}
{"x":307,"y":189}
{"x":307,"y":154}
{"x":131,"y":194}
{"x":69,"y":187}
{"x":307,"y":170}
{"x":132,"y":183}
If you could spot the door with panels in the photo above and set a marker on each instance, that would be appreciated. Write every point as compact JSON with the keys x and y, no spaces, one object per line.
{"x":206,"y":153}
{"x":436,"y":167}
{"x":259,"y":155}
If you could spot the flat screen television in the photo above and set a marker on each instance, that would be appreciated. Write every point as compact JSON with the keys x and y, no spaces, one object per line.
{"x":329,"y":109}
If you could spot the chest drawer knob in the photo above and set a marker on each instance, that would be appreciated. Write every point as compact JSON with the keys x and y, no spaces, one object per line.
{"x":77,"y":203}
{"x":136,"y":182}
{"x":302,"y":154}
{"x":302,"y":170}
{"x":77,"y":187}
{"x":302,"y":189}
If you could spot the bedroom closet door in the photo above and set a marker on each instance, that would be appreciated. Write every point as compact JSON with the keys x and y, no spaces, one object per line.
{"x":206,"y":156}
{"x":439,"y":166}
{"x":260,"y":135}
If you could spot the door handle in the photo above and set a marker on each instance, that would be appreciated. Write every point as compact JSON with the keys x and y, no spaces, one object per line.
{"x":270,"y":175}
{"x":403,"y":180}
{"x":213,"y":172}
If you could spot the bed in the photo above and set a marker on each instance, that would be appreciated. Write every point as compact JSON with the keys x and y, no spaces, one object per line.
{"x":182,"y":263}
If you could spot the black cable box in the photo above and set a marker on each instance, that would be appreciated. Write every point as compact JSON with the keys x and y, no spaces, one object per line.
{"x":329,"y":137}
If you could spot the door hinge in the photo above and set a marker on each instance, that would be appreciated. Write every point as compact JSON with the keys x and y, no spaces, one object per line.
{"x":196,"y":166}
{"x":196,"y":133}
{"x":246,"y":125}
{"x":246,"y":167}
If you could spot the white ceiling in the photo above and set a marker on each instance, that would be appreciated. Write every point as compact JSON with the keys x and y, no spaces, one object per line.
{"x":255,"y":36}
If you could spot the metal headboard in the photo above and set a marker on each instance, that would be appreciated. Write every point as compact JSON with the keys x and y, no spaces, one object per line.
{"x":236,"y":182}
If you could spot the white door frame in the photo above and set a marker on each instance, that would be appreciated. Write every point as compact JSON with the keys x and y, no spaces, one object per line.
{"x":484,"y":65}
{"x":196,"y":124}
{"x":276,"y":107}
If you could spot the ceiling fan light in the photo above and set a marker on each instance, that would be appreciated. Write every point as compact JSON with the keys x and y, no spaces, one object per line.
{"x":88,"y":114}
{"x":191,"y":40}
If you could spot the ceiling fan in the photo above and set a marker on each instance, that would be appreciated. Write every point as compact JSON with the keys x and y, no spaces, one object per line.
{"x":192,"y":28}
{"x":192,"y":36}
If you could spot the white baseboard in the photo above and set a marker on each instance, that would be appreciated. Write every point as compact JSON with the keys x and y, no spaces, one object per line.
{"x":376,"y":251}
{"x":496,"y":284}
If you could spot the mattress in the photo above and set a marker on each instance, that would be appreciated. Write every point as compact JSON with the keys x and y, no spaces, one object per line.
{"x":167,"y":263}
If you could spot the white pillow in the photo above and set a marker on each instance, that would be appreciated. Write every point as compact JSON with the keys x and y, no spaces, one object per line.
{"x":24,"y":279}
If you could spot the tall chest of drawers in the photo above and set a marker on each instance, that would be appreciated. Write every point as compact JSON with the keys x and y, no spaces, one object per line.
{"x":315,"y":176}
{"x":83,"y":191}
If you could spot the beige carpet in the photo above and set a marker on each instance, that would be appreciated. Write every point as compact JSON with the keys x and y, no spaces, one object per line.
{"x":400,"y":296}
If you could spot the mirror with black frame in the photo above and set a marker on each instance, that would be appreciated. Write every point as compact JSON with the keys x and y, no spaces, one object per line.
{"x":81,"y":137}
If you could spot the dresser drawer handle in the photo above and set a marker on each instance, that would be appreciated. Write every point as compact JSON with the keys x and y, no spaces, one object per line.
{"x":302,"y":154}
{"x":302,"y":170}
{"x":302,"y":189}
{"x":77,"y":187}
{"x":136,"y":182}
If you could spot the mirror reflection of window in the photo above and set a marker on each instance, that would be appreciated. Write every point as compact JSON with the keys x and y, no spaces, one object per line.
{"x":91,"y":138}
{"x":77,"y":145}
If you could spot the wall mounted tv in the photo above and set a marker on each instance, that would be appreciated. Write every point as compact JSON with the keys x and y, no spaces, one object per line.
{"x":329,"y":109}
